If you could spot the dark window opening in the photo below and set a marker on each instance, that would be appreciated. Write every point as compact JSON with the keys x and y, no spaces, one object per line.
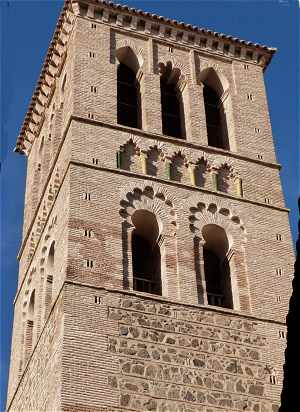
{"x":146,"y":257}
{"x":146,"y":265}
{"x":217,"y":279}
{"x":172,"y":109}
{"x":129,"y":97}
{"x":215,"y":119}
{"x":216,"y":267}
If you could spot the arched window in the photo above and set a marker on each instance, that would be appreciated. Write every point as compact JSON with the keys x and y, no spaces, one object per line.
{"x":128,"y":89}
{"x":146,"y":256}
{"x":216,"y":267}
{"x":215,"y":119}
{"x":171,"y":103}
{"x":49,"y":279}
{"x":215,"y":95}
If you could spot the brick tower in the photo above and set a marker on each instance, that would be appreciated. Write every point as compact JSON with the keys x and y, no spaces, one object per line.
{"x":156,"y":255}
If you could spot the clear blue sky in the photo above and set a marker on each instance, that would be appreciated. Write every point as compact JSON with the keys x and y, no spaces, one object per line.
{"x":26,"y":29}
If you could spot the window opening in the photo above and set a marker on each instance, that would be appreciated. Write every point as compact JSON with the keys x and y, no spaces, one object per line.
{"x":216,"y":124}
{"x":217,"y":267}
{"x":129,"y":97}
{"x":146,"y":255}
{"x":171,"y":104}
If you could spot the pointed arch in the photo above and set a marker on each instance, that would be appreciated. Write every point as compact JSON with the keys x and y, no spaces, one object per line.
{"x":129,"y":110}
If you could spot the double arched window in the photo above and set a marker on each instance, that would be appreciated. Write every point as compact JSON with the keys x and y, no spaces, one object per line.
{"x":129,"y":101}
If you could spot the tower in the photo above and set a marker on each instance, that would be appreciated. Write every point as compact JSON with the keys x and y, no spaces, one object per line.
{"x":156,"y":252}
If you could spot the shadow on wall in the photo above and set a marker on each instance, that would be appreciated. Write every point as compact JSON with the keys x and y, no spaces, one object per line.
{"x":290,"y":391}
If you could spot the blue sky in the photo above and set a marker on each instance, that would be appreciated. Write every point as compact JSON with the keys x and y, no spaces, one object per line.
{"x":26,"y":29}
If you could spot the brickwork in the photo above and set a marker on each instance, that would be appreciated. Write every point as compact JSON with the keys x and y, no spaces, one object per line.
{"x":83,"y":338}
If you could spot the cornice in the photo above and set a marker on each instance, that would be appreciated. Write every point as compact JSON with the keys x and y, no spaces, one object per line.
{"x":53,"y":63}
{"x":139,"y":20}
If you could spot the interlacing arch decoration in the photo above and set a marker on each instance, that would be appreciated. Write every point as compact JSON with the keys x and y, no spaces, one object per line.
{"x":201,"y":168}
{"x":225,"y":176}
{"x":43,"y":213}
{"x":46,"y":279}
{"x":210,"y":222}
{"x":149,"y":213}
{"x":156,"y":159}
{"x":27,"y":322}
{"x":181,"y":166}
{"x":211,"y":212}
{"x":155,"y":199}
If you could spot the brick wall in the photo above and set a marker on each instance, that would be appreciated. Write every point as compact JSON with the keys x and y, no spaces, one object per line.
{"x":91,"y":343}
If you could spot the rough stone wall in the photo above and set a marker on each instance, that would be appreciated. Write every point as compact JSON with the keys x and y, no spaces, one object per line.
{"x":140,"y":353}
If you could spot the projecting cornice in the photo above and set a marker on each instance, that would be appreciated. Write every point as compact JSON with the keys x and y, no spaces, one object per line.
{"x":45,"y":87}
{"x":179,"y":31}
{"x":134,"y":20}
